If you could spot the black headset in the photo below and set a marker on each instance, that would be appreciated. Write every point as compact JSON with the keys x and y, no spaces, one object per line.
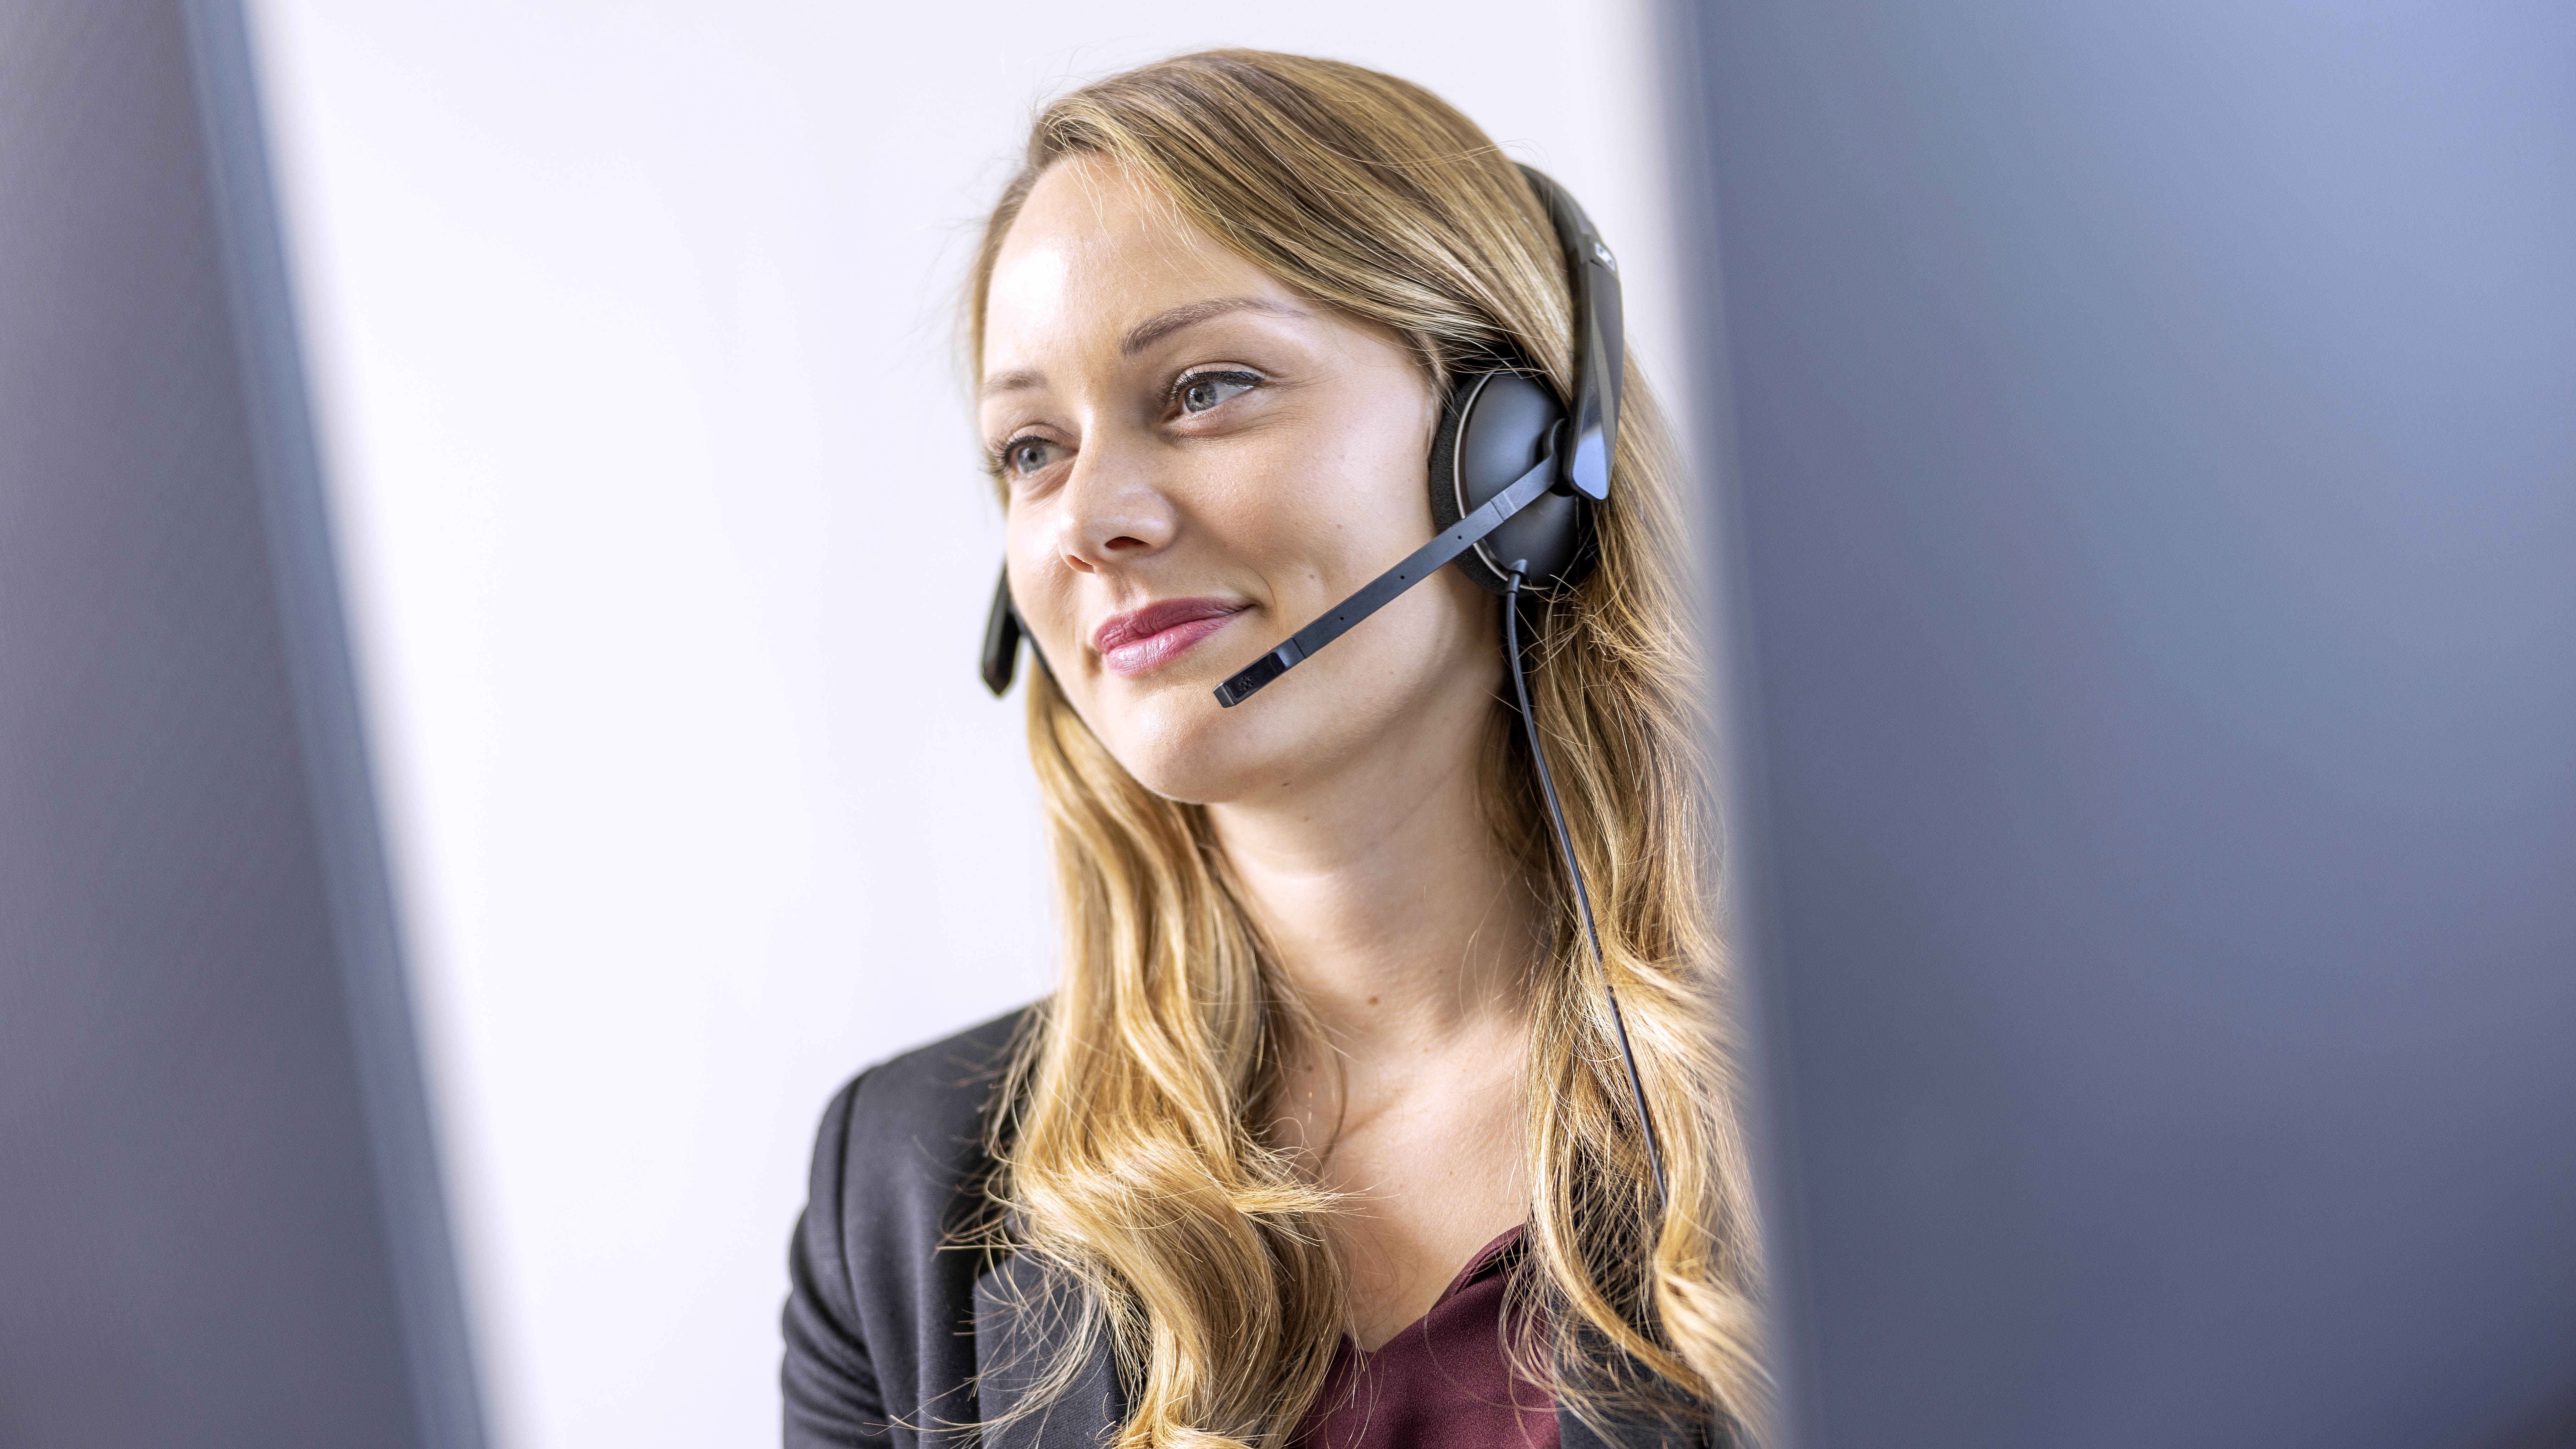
{"x":1513,"y":484}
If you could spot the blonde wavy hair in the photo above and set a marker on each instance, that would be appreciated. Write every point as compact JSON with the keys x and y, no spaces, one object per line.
{"x":1136,"y":1157}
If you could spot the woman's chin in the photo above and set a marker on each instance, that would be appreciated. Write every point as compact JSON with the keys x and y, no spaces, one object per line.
{"x":1193,"y":772}
{"x":1187,"y":750}
{"x":1181,"y":744}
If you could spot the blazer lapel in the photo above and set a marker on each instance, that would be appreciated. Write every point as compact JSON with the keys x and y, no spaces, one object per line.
{"x":1026,"y":1319}
{"x":1631,"y":1431}
{"x":1640,"y":1426}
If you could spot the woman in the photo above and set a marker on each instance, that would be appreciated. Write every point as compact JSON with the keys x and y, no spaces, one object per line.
{"x":1326,"y":1137}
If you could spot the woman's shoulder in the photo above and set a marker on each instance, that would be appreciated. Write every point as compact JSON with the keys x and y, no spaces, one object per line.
{"x":925,"y":1113}
{"x":899,"y":1169}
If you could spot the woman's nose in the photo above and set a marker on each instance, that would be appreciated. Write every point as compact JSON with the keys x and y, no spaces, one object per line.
{"x":1114,"y":515}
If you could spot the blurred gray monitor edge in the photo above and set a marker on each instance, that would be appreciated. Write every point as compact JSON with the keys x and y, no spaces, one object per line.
{"x":219,"y":1220}
{"x":2149,"y":530}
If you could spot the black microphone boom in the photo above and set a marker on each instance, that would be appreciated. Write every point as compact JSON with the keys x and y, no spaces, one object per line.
{"x":1418,"y":565}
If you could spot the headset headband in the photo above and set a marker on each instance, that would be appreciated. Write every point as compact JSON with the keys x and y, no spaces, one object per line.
{"x":1600,"y":348}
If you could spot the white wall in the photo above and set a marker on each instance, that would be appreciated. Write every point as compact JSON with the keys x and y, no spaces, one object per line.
{"x":668,"y":556}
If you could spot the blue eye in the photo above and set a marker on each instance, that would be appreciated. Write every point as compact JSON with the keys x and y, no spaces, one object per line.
{"x":1200,"y":393}
{"x":1027,"y":455}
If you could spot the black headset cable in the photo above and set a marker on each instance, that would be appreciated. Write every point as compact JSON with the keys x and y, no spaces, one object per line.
{"x":1582,"y":898}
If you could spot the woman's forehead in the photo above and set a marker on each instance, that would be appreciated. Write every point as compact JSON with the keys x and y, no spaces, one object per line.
{"x":1095,"y":251}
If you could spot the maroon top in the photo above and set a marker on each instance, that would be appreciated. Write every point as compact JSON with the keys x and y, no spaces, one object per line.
{"x":1443,"y":1383}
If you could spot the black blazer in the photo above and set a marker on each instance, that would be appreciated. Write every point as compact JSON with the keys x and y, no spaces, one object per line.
{"x":893,"y":1339}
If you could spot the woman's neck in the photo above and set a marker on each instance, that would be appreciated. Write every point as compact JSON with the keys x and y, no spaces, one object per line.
{"x":1406,"y":935}
{"x":1395,"y":916}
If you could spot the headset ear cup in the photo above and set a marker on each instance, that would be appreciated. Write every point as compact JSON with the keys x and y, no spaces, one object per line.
{"x":1001,"y":639}
{"x":1494,"y":428}
{"x":1444,"y":464}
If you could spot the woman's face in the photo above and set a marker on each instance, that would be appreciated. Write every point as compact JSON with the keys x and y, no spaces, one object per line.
{"x":1198,"y":461}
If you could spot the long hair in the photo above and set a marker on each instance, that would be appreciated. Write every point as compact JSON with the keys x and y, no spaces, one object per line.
{"x":1136,"y":1158}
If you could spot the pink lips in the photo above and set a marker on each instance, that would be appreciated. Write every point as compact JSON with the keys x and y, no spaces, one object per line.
{"x":1156,"y":634}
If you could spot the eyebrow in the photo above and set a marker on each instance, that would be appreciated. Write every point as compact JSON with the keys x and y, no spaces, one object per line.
{"x":1154,"y":329}
{"x":1002,"y":382}
{"x":1148,"y":332}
